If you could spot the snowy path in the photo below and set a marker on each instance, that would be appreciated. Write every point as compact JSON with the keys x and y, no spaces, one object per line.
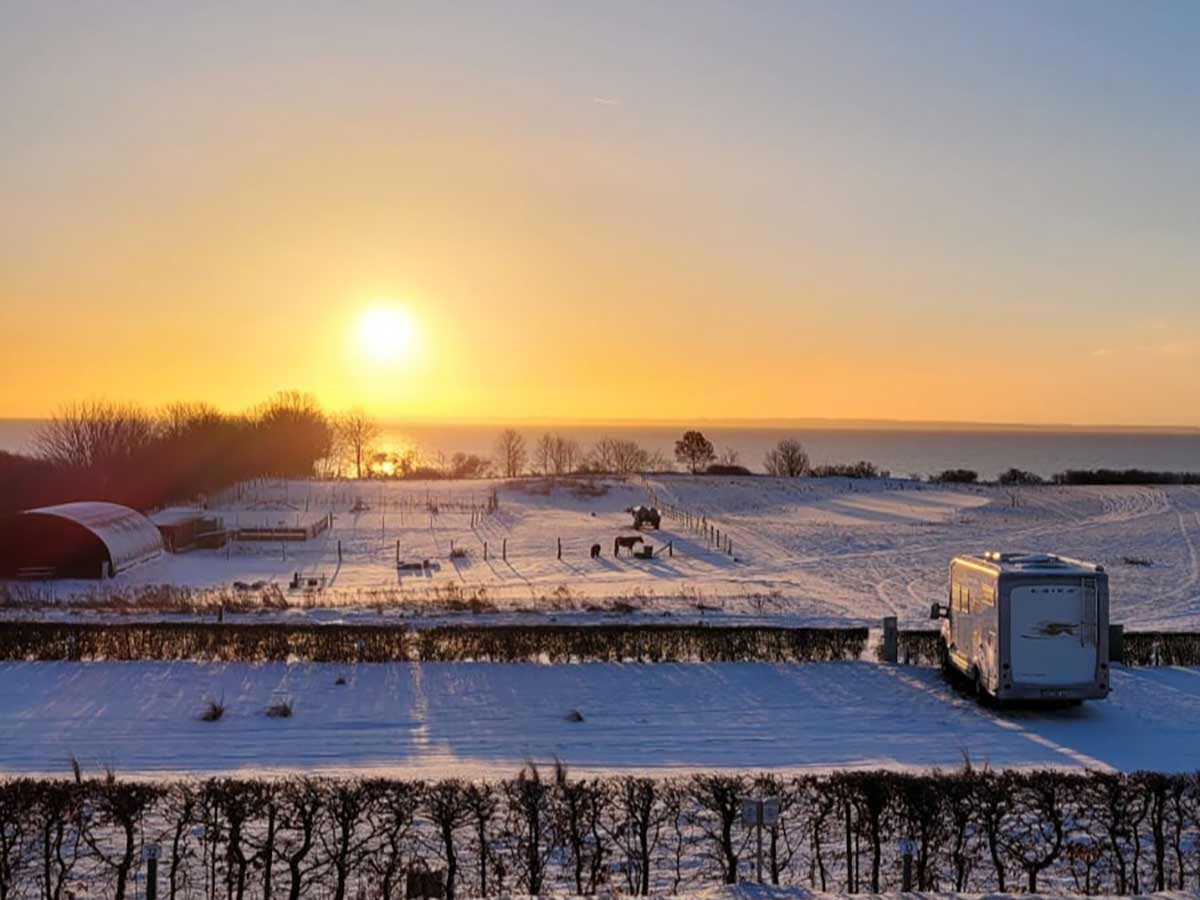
{"x":475,"y":719}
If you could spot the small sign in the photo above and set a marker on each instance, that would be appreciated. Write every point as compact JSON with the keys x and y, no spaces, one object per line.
{"x":907,"y":846}
{"x":150,"y":852}
{"x":770,"y":812}
{"x":758,"y":813}
{"x":750,"y":812}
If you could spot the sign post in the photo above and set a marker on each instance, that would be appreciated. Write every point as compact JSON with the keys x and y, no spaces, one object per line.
{"x":906,"y":847}
{"x":150,"y":855}
{"x":757,"y":814}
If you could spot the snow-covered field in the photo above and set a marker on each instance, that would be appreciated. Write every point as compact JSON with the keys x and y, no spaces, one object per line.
{"x":829,"y":551}
{"x":473,"y":719}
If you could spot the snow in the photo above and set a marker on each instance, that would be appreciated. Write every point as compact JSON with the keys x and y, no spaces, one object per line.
{"x":805,"y":551}
{"x":751,"y":891}
{"x":481,"y":719}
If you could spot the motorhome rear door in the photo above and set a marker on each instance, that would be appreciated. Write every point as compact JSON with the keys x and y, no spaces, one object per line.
{"x":1054,"y":633}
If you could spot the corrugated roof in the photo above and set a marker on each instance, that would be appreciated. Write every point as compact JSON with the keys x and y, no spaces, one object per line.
{"x":130,"y":537}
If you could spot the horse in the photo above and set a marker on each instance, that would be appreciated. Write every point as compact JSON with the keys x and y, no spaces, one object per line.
{"x":627,"y":542}
{"x":645,"y":515}
{"x":595,"y":551}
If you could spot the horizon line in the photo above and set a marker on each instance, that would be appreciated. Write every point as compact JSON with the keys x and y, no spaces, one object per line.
{"x":809,"y":422}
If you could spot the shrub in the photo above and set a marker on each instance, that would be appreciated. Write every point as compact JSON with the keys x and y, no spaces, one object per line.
{"x":1015,"y":477}
{"x":343,"y":643}
{"x":861,"y":469}
{"x":725,"y":469}
{"x":280,"y":709}
{"x":213,"y":710}
{"x":1125,"y":476}
{"x":956,"y":476}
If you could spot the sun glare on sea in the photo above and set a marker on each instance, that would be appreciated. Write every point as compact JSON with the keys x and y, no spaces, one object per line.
{"x":385,"y":333}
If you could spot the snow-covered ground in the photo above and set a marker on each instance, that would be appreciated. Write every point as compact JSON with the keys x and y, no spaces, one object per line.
{"x":474,"y":719}
{"x":829,"y":551}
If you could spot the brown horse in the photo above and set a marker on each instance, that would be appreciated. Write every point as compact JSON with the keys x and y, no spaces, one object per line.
{"x":627,"y":542}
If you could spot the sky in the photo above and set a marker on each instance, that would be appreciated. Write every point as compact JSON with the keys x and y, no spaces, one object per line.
{"x":906,"y":210}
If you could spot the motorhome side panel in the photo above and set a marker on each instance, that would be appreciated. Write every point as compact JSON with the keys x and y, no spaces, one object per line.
{"x":974,"y":624}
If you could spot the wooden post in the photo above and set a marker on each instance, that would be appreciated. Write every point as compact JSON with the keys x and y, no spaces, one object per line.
{"x":504,"y":550}
{"x":560,"y":548}
{"x":670,"y":548}
{"x":397,"y":551}
{"x":485,"y":551}
{"x":340,"y":550}
{"x":891,"y":640}
{"x":1116,"y":643}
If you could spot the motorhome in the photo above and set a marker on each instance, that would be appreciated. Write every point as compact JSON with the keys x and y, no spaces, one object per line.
{"x":1027,"y":626}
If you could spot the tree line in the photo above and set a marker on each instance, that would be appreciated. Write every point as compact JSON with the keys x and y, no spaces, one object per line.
{"x":98,"y":450}
{"x":544,"y":832}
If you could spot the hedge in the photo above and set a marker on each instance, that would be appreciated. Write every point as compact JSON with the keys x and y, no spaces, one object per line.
{"x":546,"y":833}
{"x":256,"y":642}
{"x":1162,"y":648}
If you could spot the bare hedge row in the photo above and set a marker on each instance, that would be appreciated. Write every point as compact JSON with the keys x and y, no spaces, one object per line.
{"x":1140,"y":648}
{"x":1162,"y":648}
{"x":256,"y":642}
{"x":550,"y":833}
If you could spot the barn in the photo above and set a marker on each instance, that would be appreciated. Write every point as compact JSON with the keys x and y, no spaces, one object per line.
{"x":89,"y":539}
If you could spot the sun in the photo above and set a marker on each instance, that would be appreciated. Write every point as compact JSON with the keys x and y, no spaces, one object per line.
{"x":385,"y":333}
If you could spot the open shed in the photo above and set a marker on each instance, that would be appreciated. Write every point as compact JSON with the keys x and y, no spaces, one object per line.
{"x":88,"y":539}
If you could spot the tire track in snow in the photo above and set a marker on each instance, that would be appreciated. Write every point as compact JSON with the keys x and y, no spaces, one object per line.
{"x":947,"y":695}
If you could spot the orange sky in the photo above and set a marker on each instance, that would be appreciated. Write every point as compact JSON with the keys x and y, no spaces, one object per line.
{"x":699,"y":225}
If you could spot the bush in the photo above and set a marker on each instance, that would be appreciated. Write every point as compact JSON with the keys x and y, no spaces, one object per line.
{"x":1016,"y":477}
{"x":725,"y":469}
{"x":917,"y":648}
{"x":861,"y":469}
{"x":280,"y":709}
{"x":342,"y":643}
{"x":956,"y":476}
{"x":1125,"y":476}
{"x":213,"y":710}
{"x":1161,"y":648}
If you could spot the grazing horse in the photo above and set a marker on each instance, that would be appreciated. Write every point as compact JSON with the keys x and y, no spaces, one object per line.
{"x":645,"y":515}
{"x":595,"y":551}
{"x":627,"y":542}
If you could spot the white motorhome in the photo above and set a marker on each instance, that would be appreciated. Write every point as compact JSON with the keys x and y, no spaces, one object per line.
{"x":1027,"y":626}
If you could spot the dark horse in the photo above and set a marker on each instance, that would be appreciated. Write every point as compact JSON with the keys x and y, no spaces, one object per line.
{"x":627,"y":542}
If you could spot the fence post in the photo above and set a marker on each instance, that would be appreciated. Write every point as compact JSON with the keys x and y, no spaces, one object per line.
{"x":397,"y":551}
{"x":560,"y":548}
{"x":670,"y":548}
{"x":891,"y":640}
{"x":340,"y":550}
{"x":504,"y":550}
{"x":1116,"y":643}
{"x":485,"y":551}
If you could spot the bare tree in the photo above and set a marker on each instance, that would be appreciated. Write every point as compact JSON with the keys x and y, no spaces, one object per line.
{"x":787,"y":460}
{"x":620,"y":457}
{"x":94,"y":434}
{"x":566,"y":455}
{"x":543,"y":454}
{"x":511,"y":453}
{"x":356,"y":433}
{"x":730,"y":457}
{"x":694,"y":450}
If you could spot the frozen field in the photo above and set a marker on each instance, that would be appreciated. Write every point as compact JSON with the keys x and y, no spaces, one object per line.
{"x":828,"y":551}
{"x":477,"y":719}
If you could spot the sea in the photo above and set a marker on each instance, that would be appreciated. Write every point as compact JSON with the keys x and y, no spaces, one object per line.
{"x":902,"y":451}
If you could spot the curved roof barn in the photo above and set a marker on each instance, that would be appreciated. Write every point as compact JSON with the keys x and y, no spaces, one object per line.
{"x":88,"y":539}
